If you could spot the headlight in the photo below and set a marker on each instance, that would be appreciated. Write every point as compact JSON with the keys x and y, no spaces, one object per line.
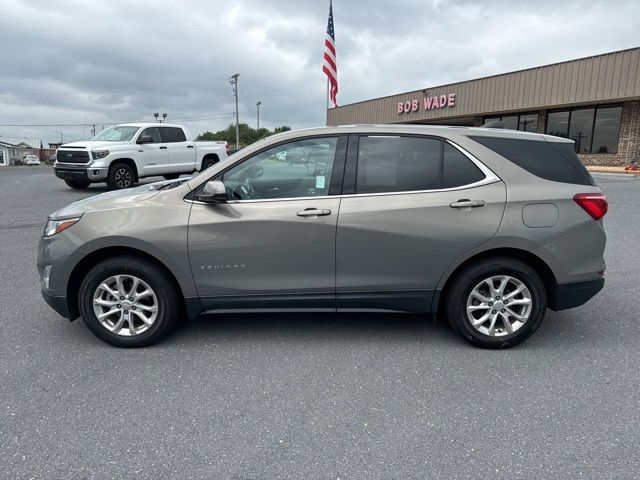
{"x":99,"y":154}
{"x":57,"y":226}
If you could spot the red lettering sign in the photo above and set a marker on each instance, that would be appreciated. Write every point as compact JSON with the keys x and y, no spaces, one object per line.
{"x":428,"y":103}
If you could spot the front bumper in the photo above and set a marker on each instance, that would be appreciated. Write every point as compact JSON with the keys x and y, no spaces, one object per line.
{"x":574,"y":294}
{"x":92,"y":174}
{"x":59,"y":304}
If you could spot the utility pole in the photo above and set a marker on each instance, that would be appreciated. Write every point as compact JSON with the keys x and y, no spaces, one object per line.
{"x":258,"y":109}
{"x":234,"y":85}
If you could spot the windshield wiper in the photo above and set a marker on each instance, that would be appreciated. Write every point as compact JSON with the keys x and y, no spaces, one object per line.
{"x":167,"y":186}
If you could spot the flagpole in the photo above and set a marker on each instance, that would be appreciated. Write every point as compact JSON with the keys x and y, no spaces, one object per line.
{"x":327,"y":111}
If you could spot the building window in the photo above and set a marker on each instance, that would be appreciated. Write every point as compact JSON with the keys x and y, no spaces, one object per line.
{"x":594,"y":130}
{"x":606,"y":130}
{"x":558,"y":124}
{"x":526,"y":122}
{"x":580,"y":125}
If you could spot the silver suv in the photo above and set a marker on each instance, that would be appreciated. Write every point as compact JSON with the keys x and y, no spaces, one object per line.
{"x":485,"y":227}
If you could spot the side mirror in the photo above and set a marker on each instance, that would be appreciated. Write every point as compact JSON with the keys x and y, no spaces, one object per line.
{"x":145,"y":139}
{"x":213,"y":191}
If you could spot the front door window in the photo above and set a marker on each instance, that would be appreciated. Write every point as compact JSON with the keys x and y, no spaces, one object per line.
{"x":296,"y":169}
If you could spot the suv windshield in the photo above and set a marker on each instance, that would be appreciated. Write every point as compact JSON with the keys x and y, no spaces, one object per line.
{"x":117,"y":134}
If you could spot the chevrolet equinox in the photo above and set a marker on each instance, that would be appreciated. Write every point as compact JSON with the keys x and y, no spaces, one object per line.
{"x":486,"y":227}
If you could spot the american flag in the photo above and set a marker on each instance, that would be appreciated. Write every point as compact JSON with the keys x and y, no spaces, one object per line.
{"x":329,"y":64}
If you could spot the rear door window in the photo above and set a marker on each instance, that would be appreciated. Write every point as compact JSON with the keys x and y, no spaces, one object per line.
{"x":541,"y":158}
{"x":172,"y":135}
{"x":397,"y":164}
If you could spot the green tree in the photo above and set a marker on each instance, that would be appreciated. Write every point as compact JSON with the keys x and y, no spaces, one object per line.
{"x":248,"y":135}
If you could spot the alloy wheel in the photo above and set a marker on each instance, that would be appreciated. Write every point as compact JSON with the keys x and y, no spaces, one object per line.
{"x":499,"y":305}
{"x":123,"y":178}
{"x":125,"y":305}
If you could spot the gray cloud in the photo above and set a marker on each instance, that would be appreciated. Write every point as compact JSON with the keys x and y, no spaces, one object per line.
{"x":103,"y":62}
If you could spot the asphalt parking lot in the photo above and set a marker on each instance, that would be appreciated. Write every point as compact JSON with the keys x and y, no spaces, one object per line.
{"x":315,"y":396}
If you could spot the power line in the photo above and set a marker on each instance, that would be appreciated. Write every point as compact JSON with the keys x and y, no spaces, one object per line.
{"x":211,"y":116}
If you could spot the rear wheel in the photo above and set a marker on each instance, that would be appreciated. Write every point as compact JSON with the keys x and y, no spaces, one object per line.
{"x":78,"y":183}
{"x":496,"y":303}
{"x":129,"y":302}
{"x":121,"y":175}
{"x":208,"y":162}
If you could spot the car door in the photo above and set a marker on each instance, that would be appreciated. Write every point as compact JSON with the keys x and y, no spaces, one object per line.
{"x":181,"y":153}
{"x":152,"y":156}
{"x":407,"y":212}
{"x":272,"y":245}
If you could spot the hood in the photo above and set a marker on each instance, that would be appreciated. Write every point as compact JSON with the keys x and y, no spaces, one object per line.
{"x":115,"y":198}
{"x":90,"y":144}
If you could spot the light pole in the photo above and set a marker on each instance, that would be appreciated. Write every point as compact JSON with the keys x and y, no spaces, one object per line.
{"x":234,"y":86}
{"x":59,"y":133}
{"x":158,"y":119}
{"x":258,"y":111}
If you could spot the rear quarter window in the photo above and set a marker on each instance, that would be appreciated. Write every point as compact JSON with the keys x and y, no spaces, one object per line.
{"x":544,"y":159}
{"x":457,"y":169}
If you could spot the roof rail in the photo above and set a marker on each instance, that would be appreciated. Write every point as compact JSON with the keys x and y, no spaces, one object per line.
{"x":494,"y":124}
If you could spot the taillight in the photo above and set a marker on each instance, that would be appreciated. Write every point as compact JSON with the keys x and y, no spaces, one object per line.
{"x":595,"y":204}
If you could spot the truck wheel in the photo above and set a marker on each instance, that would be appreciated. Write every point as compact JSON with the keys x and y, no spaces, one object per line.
{"x":208,"y":162}
{"x":78,"y":183}
{"x":120,"y":176}
{"x":497,"y":302}
{"x":171,"y":176}
{"x":129,"y":301}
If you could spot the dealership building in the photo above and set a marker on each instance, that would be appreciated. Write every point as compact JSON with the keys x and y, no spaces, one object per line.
{"x":594,"y":101}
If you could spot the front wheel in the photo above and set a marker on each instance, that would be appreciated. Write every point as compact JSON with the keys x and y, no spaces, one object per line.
{"x":129,"y":302}
{"x":77,"y":184}
{"x":498,"y":302}
{"x":121,"y":175}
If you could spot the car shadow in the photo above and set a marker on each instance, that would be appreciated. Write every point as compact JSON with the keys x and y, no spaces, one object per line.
{"x":306,"y":327}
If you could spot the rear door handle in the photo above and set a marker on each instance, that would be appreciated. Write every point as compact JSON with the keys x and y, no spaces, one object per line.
{"x":189,"y":146}
{"x":162,"y":148}
{"x":466,"y":203}
{"x":314,"y":212}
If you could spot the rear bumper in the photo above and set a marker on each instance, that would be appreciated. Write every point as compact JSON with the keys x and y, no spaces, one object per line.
{"x":574,"y":294}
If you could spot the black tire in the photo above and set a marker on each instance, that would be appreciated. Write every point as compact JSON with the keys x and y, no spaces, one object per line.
{"x":169,"y":301}
{"x":121,"y":175}
{"x":77,"y":184}
{"x":208,"y":162}
{"x":171,"y":176}
{"x":459,"y":291}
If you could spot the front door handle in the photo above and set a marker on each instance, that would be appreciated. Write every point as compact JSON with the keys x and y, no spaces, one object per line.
{"x":466,"y":203}
{"x":162,"y":148}
{"x":314,"y":212}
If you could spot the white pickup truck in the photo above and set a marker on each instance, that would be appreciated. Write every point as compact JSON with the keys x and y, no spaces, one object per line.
{"x":122,"y":154}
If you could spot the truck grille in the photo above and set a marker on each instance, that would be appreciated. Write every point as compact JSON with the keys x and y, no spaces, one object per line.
{"x":72,"y":156}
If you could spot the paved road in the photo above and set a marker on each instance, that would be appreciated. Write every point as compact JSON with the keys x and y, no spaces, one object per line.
{"x":315,"y":396}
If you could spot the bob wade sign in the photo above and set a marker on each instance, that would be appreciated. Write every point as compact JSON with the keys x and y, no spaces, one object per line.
{"x":428,"y":103}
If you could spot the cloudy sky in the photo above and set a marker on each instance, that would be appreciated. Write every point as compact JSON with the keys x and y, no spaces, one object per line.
{"x":75,"y":62}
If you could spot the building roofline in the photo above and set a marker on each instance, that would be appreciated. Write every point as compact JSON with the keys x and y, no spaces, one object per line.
{"x":490,"y":76}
